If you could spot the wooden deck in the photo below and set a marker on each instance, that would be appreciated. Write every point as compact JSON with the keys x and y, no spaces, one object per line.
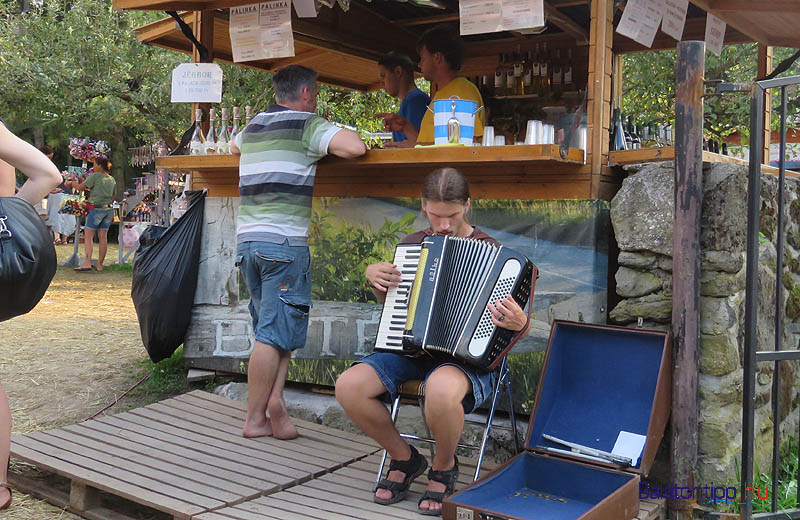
{"x":184,"y":458}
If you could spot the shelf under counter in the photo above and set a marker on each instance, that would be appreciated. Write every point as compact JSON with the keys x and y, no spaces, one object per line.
{"x":496,"y":172}
{"x":667,"y":153}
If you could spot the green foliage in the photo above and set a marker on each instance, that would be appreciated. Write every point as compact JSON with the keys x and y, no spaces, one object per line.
{"x":525,"y":368}
{"x":564,"y":221}
{"x":649,"y":88}
{"x":793,"y":305}
{"x":341,"y":252}
{"x":787,"y":481}
{"x":320,"y":371}
{"x":167,"y":377}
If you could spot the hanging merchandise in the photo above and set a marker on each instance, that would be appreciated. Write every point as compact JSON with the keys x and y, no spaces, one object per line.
{"x":86,"y":149}
{"x":27,"y":257}
{"x":165,"y":272}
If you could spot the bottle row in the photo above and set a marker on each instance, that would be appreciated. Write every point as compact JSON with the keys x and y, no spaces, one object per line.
{"x":538,"y":72}
{"x":626,"y":134}
{"x":218,"y":138}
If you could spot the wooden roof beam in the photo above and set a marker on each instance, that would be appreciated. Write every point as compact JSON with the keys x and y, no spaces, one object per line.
{"x":428,"y":20}
{"x":750,"y":29}
{"x":771,"y":6}
{"x":565,"y":23}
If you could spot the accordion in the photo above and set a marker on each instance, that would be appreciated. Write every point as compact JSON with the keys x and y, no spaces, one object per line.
{"x":441,"y":304}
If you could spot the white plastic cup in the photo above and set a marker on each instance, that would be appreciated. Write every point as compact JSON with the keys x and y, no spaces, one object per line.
{"x":488,"y":136}
{"x":533,"y":133}
{"x":499,"y":140}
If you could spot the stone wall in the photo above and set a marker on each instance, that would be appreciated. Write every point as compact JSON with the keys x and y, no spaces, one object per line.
{"x":642,"y":218}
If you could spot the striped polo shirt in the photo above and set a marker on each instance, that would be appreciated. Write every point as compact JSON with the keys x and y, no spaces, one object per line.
{"x":280,"y":149}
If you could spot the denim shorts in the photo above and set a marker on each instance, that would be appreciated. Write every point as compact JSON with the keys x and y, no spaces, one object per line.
{"x":100,"y":218}
{"x":395,"y":369}
{"x":278,"y":279}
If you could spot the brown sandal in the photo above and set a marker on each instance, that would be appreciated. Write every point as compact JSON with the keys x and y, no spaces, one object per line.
{"x":7,"y":504}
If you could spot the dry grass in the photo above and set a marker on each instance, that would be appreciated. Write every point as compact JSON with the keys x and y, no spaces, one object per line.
{"x":73,"y":354}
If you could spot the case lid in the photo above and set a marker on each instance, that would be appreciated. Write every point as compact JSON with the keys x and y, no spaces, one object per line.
{"x":603,"y":388}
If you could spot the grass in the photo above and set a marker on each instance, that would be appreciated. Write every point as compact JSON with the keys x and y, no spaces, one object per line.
{"x":762,"y":482}
{"x":787,"y":481}
{"x":167,"y":377}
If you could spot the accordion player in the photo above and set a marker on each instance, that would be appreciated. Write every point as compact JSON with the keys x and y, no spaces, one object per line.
{"x":441,"y":304}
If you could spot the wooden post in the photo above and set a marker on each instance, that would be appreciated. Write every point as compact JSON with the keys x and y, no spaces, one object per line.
{"x":686,"y":266}
{"x":83,"y":498}
{"x":203,"y":29}
{"x":765,"y":67}
{"x":601,"y":34}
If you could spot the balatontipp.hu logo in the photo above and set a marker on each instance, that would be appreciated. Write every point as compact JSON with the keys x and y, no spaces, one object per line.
{"x":702,"y":494}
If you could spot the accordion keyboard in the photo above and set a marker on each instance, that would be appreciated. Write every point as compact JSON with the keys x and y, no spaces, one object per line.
{"x":395,"y":307}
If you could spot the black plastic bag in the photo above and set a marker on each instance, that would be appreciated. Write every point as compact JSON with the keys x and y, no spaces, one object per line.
{"x":27,"y":257}
{"x":165,"y":279}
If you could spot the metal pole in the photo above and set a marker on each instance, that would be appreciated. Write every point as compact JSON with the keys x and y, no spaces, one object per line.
{"x":686,"y":265}
{"x":776,"y":374}
{"x":751,"y":300}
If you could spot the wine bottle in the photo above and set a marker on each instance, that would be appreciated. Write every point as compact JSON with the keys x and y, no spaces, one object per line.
{"x":557,"y":73}
{"x":223,"y":137}
{"x":536,"y":74}
{"x":544,"y":71}
{"x":620,"y":141}
{"x":235,"y":129}
{"x":248,"y":115}
{"x":568,"y":85}
{"x":511,"y":84}
{"x":628,"y":133}
{"x":196,"y":144}
{"x":518,"y":66}
{"x":211,"y":138}
{"x":527,"y":75}
{"x":500,"y":77}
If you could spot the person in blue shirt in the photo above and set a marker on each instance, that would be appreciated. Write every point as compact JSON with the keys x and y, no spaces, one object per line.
{"x":397,"y":74}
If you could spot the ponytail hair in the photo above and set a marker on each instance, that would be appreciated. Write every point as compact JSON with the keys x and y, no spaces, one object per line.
{"x":446,"y":185}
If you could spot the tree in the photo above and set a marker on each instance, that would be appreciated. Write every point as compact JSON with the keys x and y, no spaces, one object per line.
{"x":72,"y":69}
{"x":649,"y":88}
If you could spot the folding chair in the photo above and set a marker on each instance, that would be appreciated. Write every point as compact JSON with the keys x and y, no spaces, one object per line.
{"x":416,"y":390}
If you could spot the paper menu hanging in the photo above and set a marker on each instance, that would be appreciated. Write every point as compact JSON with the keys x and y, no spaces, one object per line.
{"x":487,"y":16}
{"x":522,"y":14}
{"x":674,"y":17}
{"x":480,"y":16}
{"x":715,"y":34}
{"x":641,"y":19}
{"x":197,"y":83}
{"x":261,"y":31}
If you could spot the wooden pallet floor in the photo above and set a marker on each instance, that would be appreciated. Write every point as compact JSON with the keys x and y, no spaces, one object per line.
{"x":184,"y":458}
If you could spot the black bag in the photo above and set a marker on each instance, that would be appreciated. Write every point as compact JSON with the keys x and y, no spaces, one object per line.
{"x":27,"y":257}
{"x":165,"y":279}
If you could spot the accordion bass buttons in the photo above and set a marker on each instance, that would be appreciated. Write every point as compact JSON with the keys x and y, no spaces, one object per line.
{"x":510,"y":271}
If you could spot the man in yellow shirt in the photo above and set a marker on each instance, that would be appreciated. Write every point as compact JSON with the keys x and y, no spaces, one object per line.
{"x":440,"y":55}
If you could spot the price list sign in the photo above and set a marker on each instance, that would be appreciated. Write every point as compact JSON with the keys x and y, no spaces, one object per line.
{"x":487,"y":16}
{"x":640,"y":20}
{"x":715,"y":34}
{"x":261,"y":31}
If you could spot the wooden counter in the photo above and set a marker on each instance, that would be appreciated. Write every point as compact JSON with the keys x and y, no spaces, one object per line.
{"x":495,"y":172}
{"x":667,"y":153}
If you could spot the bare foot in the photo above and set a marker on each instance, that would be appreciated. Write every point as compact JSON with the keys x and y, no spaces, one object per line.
{"x":282,"y":426}
{"x":251,"y":429}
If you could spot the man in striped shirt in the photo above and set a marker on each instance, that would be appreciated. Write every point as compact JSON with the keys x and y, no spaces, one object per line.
{"x":279,"y":153}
